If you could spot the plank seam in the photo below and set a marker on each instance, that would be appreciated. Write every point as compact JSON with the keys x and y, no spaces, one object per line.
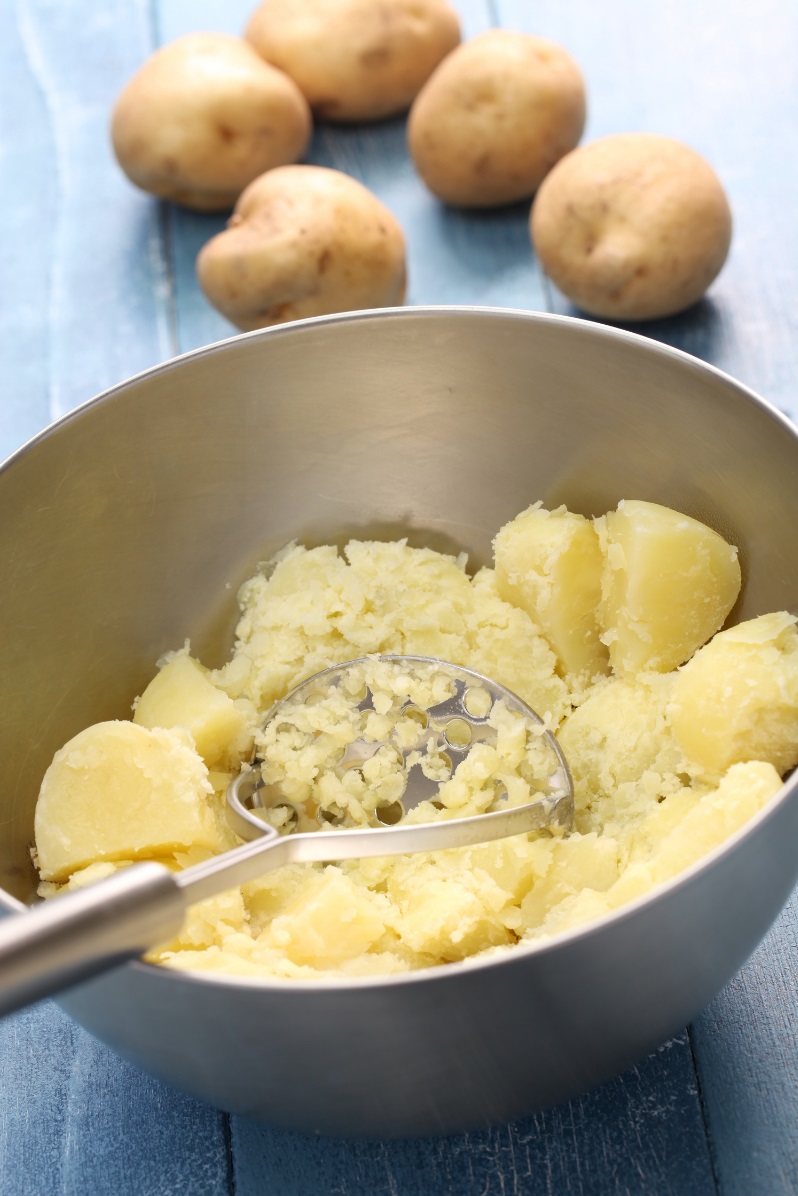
{"x":229,"y":1155}
{"x":704,"y":1112}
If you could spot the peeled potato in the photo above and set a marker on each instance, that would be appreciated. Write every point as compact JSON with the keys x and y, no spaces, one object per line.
{"x":668,"y":584}
{"x":737,"y":699}
{"x":203,"y":117}
{"x":549,"y":564}
{"x":355,"y":59}
{"x":494,"y":118}
{"x":303,"y":241}
{"x":181,"y":695}
{"x":121,"y":792}
{"x":632,"y":226}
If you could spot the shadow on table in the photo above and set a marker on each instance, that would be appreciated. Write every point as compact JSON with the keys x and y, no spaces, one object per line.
{"x":641,"y":1133}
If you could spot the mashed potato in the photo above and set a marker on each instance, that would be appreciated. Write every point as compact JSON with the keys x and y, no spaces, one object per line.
{"x":657,"y":784}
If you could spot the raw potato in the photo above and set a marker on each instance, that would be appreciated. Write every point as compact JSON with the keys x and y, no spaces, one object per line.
{"x":303,"y":241}
{"x":632,"y":227}
{"x":181,"y":695}
{"x":204,"y":116}
{"x":737,"y":699}
{"x":495,"y":117}
{"x":355,"y":59}
{"x":121,"y":792}
{"x":549,"y":564}
{"x":668,"y":584}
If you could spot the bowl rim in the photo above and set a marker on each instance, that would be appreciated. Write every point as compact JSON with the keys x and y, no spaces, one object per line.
{"x":499,"y":956}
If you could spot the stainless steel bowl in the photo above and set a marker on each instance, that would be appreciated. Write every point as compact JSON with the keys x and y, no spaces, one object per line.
{"x":129,"y":525}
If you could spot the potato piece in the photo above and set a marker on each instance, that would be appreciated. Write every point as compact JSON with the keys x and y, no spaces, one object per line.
{"x":668,"y":584}
{"x":737,"y":699}
{"x":121,"y":792}
{"x":203,"y":117}
{"x":355,"y":59}
{"x":182,"y":695}
{"x":549,"y":564}
{"x":331,"y":920}
{"x":303,"y":241}
{"x":494,"y":118}
{"x":617,"y":734}
{"x":632,"y":226}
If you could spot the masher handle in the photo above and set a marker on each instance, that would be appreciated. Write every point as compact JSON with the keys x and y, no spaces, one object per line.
{"x":70,"y":939}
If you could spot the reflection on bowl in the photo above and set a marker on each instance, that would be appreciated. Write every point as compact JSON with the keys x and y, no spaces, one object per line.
{"x":125,"y":522}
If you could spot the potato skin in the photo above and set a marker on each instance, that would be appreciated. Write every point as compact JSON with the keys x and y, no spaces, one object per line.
{"x":495,"y":117}
{"x":632,"y":227}
{"x":303,"y":241}
{"x":203,"y":117}
{"x":355,"y":59}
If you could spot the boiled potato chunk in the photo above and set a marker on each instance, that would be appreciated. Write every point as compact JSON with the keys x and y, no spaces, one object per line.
{"x":122,"y":792}
{"x":668,"y":584}
{"x":549,"y":564}
{"x":617,"y":734}
{"x":330,"y":921}
{"x":181,"y":695}
{"x":737,"y":699}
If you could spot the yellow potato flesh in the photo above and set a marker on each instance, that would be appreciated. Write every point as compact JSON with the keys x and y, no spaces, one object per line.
{"x":549,"y":564}
{"x":668,"y":584}
{"x":181,"y":695}
{"x":737,"y":699}
{"x":121,"y":792}
{"x":330,"y":921}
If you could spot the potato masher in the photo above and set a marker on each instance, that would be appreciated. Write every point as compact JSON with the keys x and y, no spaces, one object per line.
{"x":70,"y":939}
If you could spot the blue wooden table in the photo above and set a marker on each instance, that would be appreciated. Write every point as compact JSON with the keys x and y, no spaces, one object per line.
{"x":96,"y":282}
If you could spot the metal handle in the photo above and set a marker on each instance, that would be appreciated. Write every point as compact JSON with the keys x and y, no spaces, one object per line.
{"x":69,"y":939}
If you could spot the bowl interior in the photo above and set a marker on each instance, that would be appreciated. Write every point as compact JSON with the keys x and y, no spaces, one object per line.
{"x":129,"y":526}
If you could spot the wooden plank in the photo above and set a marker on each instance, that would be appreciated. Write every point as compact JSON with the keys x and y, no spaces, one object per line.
{"x":722,"y":78}
{"x":719,"y":76}
{"x":76,"y":1120}
{"x":85,"y":303}
{"x":85,"y":293}
{"x":640,"y":1134}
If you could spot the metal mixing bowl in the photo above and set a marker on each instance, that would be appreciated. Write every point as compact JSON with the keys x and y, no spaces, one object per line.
{"x":129,"y":525}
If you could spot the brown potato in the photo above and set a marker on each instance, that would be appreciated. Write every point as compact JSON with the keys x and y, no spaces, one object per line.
{"x":203,"y":117}
{"x":632,"y":226}
{"x":495,"y":117}
{"x":355,"y":59}
{"x":303,"y":241}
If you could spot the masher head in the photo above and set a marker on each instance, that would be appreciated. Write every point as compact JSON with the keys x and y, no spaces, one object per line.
{"x":384,"y":740}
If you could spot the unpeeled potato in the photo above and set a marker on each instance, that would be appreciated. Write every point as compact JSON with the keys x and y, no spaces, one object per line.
{"x":355,"y":59}
{"x":303,"y":241}
{"x":203,"y":117}
{"x":495,"y":117}
{"x":632,"y":226}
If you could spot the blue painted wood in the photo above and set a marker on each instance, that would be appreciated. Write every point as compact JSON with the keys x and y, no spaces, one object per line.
{"x":92,"y":307}
{"x":76,"y":1120}
{"x":84,"y":302}
{"x":640,"y":1134}
{"x":96,"y":281}
{"x":721,"y":76}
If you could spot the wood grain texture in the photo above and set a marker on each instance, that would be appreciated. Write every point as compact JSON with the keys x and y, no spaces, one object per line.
{"x":97,"y":281}
{"x":721,"y":76}
{"x":84,"y":302}
{"x":640,"y":1134}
